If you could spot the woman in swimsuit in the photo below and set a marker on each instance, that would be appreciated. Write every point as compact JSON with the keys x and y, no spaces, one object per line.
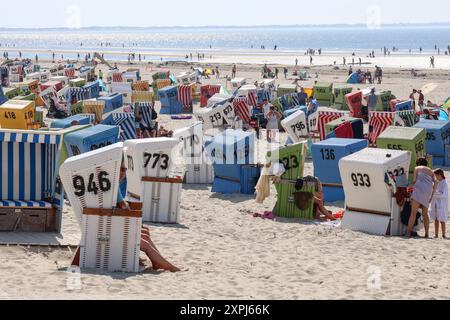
{"x":424,"y":186}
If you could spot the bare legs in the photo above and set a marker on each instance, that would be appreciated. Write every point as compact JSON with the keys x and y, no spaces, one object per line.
{"x":318,"y":201}
{"x":426,"y":222}
{"x":158,"y":262}
{"x":412,"y":219}
{"x":436,"y":229}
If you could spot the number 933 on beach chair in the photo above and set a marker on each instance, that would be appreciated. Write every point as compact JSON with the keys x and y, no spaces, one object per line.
{"x":370,"y":179}
{"x":152,"y":178}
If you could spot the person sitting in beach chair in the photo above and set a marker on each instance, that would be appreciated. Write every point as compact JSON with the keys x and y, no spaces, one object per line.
{"x":147,"y":246}
{"x":55,"y":112}
{"x":320,"y":212}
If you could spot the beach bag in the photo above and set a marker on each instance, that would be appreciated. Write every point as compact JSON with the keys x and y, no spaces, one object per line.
{"x":303,"y":200}
{"x":406,"y":213}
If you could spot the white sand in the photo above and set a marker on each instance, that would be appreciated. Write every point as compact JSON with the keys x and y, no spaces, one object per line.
{"x":226,"y":253}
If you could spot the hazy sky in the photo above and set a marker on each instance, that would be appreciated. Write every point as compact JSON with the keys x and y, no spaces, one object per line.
{"x":84,"y":13}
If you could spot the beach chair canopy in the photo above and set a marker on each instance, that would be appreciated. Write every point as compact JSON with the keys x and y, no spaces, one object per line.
{"x":126,"y":123}
{"x":28,"y":171}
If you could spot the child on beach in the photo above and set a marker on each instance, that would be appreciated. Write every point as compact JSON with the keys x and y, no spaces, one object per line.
{"x":439,"y":204}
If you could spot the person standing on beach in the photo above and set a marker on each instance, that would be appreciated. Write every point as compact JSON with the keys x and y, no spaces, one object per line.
{"x":302,"y":97}
{"x":378,"y":74}
{"x":421,"y":103}
{"x":372,"y":100}
{"x":217,"y":72}
{"x":296,"y":61}
{"x":276,"y":72}
{"x":344,"y":61}
{"x":425,"y":185}
{"x":412,"y":96}
{"x":272,"y":117}
{"x":432,"y":62}
{"x":233,"y":71}
{"x":439,"y":205}
{"x":285,"y":72}
{"x":310,"y":60}
{"x":36,"y":58}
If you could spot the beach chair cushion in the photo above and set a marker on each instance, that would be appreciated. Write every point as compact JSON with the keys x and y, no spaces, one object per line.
{"x":24,"y":204}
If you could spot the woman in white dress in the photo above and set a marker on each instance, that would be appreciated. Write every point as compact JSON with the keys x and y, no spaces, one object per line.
{"x":273,"y":117}
{"x":439,"y":204}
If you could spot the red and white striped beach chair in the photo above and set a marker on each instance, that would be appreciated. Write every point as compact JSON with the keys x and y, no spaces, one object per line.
{"x":69,"y":73}
{"x":325,"y":117}
{"x":117,"y":77}
{"x":242,"y":109}
{"x":185,"y":96}
{"x":378,"y":122}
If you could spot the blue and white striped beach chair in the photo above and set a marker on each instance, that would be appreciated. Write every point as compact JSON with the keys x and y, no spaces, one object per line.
{"x":126,"y":123}
{"x":29,"y":165}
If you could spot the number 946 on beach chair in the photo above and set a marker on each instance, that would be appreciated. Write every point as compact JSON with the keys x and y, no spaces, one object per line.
{"x":110,"y":238}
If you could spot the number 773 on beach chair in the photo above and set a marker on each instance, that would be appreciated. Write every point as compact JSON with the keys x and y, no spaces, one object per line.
{"x":151,"y":177}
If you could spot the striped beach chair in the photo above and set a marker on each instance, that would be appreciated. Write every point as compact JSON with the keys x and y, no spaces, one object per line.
{"x":241,"y":109}
{"x":378,"y":122}
{"x":29,"y":195}
{"x":407,"y":118}
{"x":117,"y":77}
{"x":325,"y":117}
{"x":185,"y":96}
{"x":162,"y":83}
{"x":126,"y":123}
{"x":70,"y":73}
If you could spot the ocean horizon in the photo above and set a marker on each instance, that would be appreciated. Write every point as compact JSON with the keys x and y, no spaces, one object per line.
{"x":180,"y":41}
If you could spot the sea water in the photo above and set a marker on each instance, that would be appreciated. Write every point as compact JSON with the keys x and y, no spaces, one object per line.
{"x":179,"y":40}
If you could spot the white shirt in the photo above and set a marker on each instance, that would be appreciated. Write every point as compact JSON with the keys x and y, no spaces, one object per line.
{"x":266,"y":108}
{"x":439,"y":204}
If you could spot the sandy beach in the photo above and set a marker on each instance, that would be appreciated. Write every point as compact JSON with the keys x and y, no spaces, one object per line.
{"x":226,"y":253}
